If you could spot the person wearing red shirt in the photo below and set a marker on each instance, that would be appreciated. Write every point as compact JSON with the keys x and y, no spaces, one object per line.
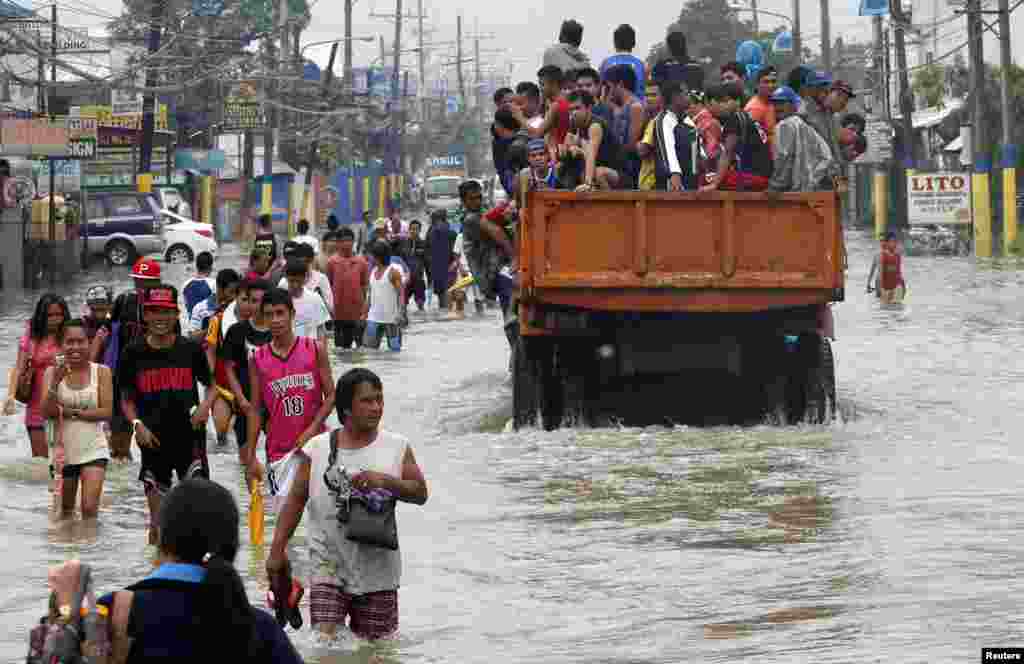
{"x":349,"y":275}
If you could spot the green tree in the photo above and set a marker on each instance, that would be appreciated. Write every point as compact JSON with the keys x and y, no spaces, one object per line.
{"x":929,"y":85}
{"x":712,"y":29}
{"x":202,"y":53}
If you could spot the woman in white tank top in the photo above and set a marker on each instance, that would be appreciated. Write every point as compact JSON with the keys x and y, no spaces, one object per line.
{"x":385,"y":301}
{"x":79,"y":399}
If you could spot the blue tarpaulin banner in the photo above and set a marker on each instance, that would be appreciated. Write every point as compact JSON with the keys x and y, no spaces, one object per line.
{"x":874,"y":7}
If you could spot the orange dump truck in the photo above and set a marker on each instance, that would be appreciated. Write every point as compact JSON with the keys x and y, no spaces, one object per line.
{"x":679,"y":306}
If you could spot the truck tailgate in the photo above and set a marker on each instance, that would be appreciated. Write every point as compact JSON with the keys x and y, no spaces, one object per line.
{"x":648,"y":251}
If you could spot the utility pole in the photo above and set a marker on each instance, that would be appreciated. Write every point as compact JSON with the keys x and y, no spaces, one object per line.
{"x":979,"y":136}
{"x":397,"y":61}
{"x":878,"y":64}
{"x":248,"y":159}
{"x":826,"y":36}
{"x":149,"y":98}
{"x":757,"y":26}
{"x":421,"y":89}
{"x":476,"y":75}
{"x":458,"y":58}
{"x":798,"y":44}
{"x":347,"y":82}
{"x":53,"y":183}
{"x":314,"y":145}
{"x":1009,"y":149}
{"x":269,"y":134}
{"x":906,"y":95}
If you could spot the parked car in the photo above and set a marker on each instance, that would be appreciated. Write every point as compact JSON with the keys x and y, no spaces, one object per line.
{"x":122,"y":225}
{"x":171,"y":199}
{"x":186,"y":238}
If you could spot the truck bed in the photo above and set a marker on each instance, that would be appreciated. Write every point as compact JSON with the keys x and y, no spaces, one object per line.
{"x":635,"y":251}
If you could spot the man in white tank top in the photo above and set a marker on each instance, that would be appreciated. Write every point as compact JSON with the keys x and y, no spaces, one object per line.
{"x":349,"y":578}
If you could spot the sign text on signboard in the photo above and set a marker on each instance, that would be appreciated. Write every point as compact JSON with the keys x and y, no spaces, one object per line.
{"x":242,"y":115}
{"x":38,"y":137}
{"x":939,"y":198}
{"x":82,"y":137}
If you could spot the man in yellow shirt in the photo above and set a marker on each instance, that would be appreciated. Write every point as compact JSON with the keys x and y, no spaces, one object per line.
{"x":646,"y":180}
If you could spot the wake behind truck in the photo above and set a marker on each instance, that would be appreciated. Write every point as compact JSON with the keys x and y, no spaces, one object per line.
{"x":676,"y":307}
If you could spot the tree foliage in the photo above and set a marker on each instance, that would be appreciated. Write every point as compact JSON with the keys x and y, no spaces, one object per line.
{"x":712,"y":30}
{"x":929,"y":86}
{"x":202,"y":54}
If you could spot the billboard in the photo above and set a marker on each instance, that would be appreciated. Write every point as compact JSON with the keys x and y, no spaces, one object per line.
{"x":243,"y":108}
{"x":39,"y":137}
{"x":942,"y":197}
{"x":451,"y":164}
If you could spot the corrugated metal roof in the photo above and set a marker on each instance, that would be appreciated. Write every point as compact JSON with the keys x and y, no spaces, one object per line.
{"x":9,"y":9}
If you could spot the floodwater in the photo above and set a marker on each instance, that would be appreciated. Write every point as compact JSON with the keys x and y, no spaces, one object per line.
{"x":895,"y":534}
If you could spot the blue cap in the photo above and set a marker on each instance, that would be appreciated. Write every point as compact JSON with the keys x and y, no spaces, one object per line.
{"x":784,"y":94}
{"x":536,"y":144}
{"x":818,"y":79}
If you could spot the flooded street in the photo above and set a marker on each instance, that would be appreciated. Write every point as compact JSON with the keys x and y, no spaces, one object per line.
{"x":896,"y":534}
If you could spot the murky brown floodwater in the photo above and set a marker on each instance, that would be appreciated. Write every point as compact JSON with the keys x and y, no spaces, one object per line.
{"x":894,"y":535}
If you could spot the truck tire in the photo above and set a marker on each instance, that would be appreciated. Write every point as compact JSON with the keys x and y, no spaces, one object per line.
{"x":526,"y":385}
{"x":816,"y":379}
{"x":574,"y":361}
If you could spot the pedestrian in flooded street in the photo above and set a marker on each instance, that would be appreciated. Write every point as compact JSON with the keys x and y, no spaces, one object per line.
{"x":79,"y":396}
{"x":128,"y":327}
{"x":291,"y":393}
{"x":36,"y":352}
{"x":193,"y":607}
{"x":159,"y":376}
{"x":355,"y":571}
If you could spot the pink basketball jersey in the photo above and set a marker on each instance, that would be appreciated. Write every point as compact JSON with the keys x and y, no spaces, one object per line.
{"x":291,"y":393}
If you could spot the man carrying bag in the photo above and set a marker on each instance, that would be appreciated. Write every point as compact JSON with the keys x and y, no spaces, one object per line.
{"x":350,"y":480}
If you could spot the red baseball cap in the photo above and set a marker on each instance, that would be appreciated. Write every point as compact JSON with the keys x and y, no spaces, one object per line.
{"x":146,"y":268}
{"x":161,"y":297}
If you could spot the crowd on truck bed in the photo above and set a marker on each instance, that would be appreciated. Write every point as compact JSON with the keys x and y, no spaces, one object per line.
{"x":620,"y":126}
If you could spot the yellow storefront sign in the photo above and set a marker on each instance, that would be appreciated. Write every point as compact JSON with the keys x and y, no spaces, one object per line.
{"x":105,"y":117}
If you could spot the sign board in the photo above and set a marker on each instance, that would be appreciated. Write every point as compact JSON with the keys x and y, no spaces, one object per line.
{"x":70,"y":40}
{"x":195,"y":159}
{"x":878,"y":133}
{"x":38,"y":137}
{"x":243,"y":108}
{"x":446,"y":165}
{"x":107,"y":118}
{"x":207,"y":7}
{"x":67,"y":175}
{"x":125,"y":102}
{"x":83,"y":133}
{"x":873,"y":8}
{"x":26,"y":28}
{"x":942,"y":197}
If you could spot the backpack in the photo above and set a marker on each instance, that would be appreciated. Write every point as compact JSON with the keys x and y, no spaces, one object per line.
{"x":750,"y":129}
{"x":53,"y":642}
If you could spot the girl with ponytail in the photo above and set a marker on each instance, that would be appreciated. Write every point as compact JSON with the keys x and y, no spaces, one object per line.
{"x":193,"y":607}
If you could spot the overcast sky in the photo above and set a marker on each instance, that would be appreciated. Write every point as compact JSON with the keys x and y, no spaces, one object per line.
{"x":524,"y":28}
